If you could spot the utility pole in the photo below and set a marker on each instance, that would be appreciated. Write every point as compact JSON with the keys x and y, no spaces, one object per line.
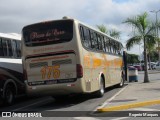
{"x":157,"y":35}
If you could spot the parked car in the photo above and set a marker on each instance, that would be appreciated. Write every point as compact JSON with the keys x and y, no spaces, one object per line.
{"x":157,"y":67}
{"x":153,"y":65}
{"x":132,"y":67}
{"x":139,"y":67}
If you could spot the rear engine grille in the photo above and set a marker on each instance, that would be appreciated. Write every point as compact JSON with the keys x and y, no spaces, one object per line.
{"x":39,"y":64}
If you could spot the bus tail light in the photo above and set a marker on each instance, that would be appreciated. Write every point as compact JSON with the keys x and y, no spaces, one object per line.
{"x":79,"y":71}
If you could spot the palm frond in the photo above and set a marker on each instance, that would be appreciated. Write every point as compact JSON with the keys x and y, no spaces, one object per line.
{"x":150,"y":39}
{"x":133,"y":41}
{"x":142,"y":19}
{"x":134,"y":22}
{"x":151,"y":29}
{"x":150,"y":42}
{"x":131,"y":21}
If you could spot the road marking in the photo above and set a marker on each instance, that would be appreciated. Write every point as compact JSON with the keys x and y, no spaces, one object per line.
{"x":128,"y":106}
{"x":110,"y":99}
{"x":30,"y":105}
{"x":121,"y":118}
{"x":85,"y":118}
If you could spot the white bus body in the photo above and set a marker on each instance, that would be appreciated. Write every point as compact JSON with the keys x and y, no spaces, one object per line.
{"x":11,"y":72}
{"x":58,"y":61}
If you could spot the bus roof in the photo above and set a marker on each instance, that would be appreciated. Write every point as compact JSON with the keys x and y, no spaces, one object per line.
{"x":69,"y":18}
{"x":15,"y":36}
{"x":66,"y":17}
{"x":97,"y":30}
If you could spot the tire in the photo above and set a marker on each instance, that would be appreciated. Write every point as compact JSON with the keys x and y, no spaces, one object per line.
{"x":101,"y":90}
{"x":9,"y":95}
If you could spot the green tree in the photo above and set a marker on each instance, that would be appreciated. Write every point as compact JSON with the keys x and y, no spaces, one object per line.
{"x":132,"y":59}
{"x":143,"y":32}
{"x":154,"y":56}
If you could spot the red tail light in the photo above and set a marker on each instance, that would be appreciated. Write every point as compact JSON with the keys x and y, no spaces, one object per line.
{"x":79,"y":71}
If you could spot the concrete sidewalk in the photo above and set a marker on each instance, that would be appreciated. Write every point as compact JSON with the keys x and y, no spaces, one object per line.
{"x":134,"y":94}
{"x":150,"y":71}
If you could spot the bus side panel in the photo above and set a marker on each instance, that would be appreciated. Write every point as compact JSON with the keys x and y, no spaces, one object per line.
{"x":96,"y":64}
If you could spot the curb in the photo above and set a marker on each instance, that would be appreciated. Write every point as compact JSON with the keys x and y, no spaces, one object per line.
{"x":128,"y":106}
{"x":154,"y":72}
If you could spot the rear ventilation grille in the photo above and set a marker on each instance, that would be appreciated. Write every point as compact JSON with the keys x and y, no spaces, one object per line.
{"x":39,"y":64}
{"x":68,"y":61}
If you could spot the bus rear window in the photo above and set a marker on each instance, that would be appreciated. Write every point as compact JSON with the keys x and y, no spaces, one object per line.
{"x":48,"y":33}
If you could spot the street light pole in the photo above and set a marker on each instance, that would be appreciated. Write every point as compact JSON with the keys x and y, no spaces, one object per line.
{"x":156,"y":12}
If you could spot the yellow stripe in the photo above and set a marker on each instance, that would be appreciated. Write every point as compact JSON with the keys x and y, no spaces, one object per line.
{"x":128,"y":106}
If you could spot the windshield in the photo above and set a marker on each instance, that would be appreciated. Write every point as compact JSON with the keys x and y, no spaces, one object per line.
{"x":48,"y":33}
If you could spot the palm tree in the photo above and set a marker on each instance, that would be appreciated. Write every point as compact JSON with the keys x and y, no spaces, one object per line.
{"x":150,"y":47}
{"x":143,"y":32}
{"x":113,"y":33}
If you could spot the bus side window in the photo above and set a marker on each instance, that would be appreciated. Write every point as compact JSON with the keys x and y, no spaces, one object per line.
{"x":103,"y":44}
{"x":95,"y":41}
{"x":110,"y":46}
{"x":114,"y":47}
{"x":5,"y":47}
{"x":120,"y":50}
{"x":1,"y":48}
{"x":92,"y":39}
{"x":106,"y":40}
{"x":10,"y":48}
{"x":99,"y":39}
{"x":81,"y":33}
{"x":87,"y":41}
{"x":14,"y":48}
{"x":85,"y":37}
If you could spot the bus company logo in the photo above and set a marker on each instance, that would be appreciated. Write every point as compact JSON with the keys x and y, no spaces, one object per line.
{"x":49,"y":33}
{"x":6,"y":114}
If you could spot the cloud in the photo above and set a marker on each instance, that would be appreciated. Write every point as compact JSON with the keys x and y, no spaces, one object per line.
{"x":14,"y":15}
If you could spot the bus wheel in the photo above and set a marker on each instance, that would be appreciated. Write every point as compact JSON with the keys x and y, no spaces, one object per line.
{"x":101,"y":90}
{"x":9,"y":94}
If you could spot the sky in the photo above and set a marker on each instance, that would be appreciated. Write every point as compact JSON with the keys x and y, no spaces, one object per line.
{"x":15,"y":14}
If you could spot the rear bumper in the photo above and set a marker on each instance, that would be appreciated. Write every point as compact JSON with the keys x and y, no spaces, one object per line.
{"x":55,"y":89}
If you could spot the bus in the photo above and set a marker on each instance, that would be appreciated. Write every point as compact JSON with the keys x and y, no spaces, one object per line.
{"x":11,"y":71}
{"x":65,"y":56}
